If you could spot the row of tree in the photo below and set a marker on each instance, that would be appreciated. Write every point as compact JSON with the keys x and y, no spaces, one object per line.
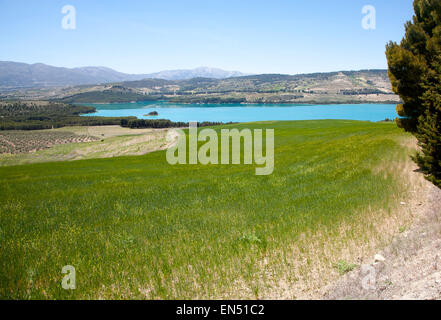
{"x":162,"y":123}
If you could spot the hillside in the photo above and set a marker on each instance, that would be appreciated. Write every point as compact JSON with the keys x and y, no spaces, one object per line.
{"x":365,"y":86}
{"x":135,"y":225}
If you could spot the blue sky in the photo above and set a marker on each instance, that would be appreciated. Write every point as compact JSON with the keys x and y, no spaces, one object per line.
{"x":254,"y":36}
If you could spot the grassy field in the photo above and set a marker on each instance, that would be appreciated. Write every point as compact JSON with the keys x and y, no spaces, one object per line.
{"x":136,"y":227}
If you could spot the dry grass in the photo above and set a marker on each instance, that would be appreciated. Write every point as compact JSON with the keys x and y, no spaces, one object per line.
{"x":411,"y":269}
{"x":105,"y":131}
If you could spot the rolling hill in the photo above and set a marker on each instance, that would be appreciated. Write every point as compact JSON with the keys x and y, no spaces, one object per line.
{"x":365,"y":86}
{"x":201,"y":85}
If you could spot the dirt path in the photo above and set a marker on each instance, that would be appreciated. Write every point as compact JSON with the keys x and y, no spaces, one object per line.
{"x":408,"y":268}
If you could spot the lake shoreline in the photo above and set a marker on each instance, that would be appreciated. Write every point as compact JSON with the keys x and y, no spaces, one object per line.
{"x":242,"y":113}
{"x":312,"y":103}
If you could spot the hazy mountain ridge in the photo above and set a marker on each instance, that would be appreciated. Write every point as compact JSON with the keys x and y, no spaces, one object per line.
{"x":201,"y":72}
{"x":16,"y":75}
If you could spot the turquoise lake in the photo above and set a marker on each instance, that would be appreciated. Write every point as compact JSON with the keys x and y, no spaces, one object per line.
{"x":246,"y":113}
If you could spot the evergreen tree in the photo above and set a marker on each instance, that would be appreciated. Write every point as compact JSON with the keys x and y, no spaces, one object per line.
{"x":415,"y":74}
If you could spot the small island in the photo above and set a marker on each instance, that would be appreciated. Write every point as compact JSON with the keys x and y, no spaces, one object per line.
{"x":151,"y":114}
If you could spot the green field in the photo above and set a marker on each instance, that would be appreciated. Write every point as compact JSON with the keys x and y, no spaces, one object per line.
{"x":136,"y":227}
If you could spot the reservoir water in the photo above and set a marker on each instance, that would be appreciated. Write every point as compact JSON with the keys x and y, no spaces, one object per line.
{"x":246,"y":113}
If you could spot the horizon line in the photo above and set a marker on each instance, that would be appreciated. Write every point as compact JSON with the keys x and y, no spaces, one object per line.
{"x":245,"y":74}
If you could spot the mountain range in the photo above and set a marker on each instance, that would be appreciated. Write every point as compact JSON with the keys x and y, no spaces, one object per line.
{"x":16,"y":75}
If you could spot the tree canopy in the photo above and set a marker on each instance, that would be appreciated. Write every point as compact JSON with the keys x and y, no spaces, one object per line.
{"x":415,"y":74}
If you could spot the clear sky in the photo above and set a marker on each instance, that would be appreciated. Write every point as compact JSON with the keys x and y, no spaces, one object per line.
{"x":253,"y":36}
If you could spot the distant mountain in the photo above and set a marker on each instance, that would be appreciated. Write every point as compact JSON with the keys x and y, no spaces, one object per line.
{"x":19,"y":75}
{"x":202,"y":72}
{"x":22,"y":75}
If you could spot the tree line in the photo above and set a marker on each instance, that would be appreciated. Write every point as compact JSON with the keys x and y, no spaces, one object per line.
{"x":47,"y":115}
{"x":163,"y":123}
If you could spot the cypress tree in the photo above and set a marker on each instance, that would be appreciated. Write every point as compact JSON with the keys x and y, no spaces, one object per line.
{"x":415,"y":74}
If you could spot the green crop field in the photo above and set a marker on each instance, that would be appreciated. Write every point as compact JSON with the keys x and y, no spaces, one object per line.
{"x":137,"y":227}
